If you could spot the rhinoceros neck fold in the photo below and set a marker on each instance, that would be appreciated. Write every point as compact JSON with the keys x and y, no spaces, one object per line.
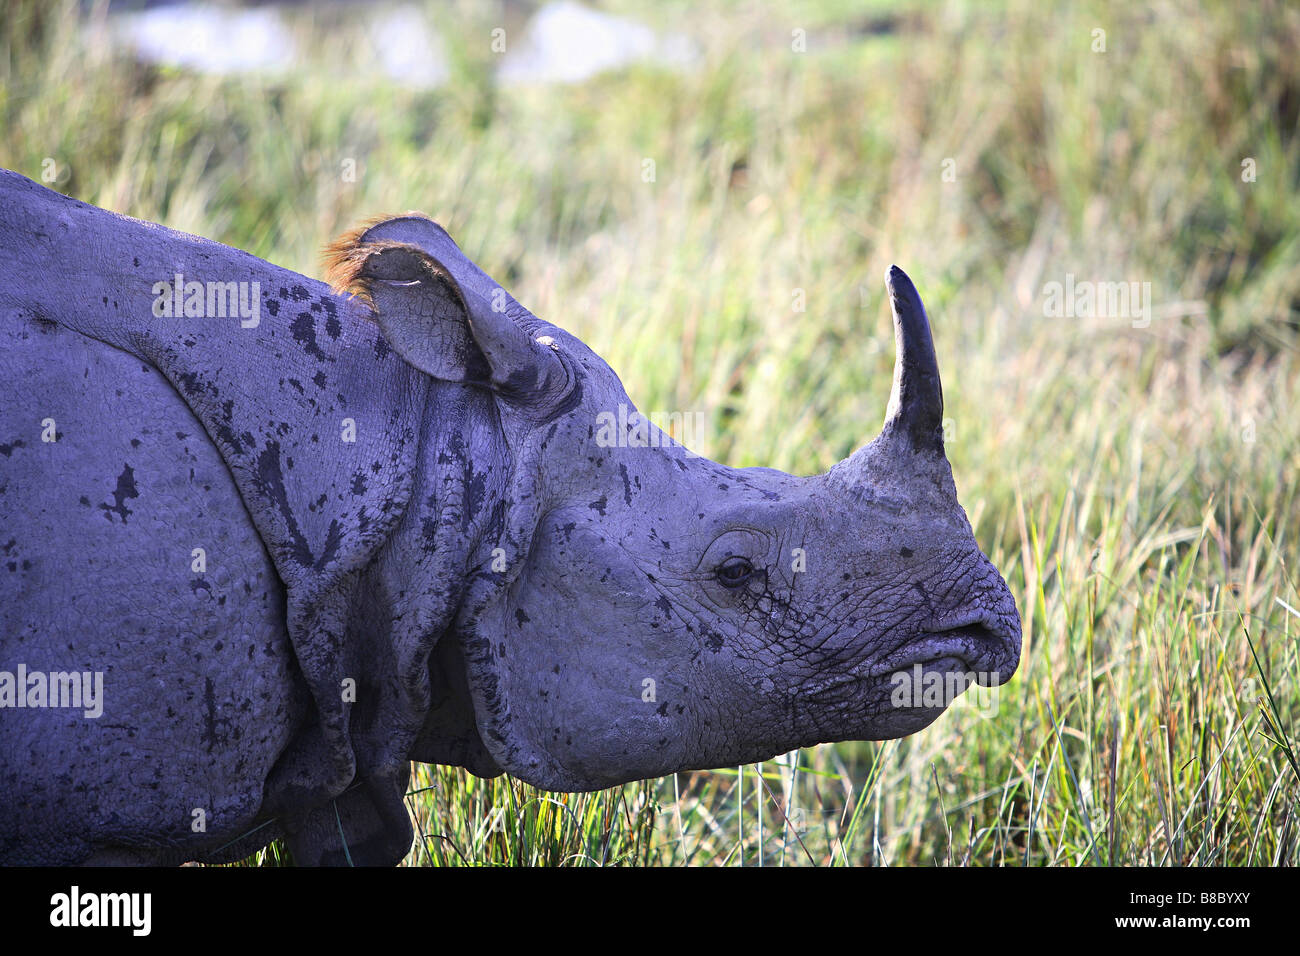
{"x":451,"y":537}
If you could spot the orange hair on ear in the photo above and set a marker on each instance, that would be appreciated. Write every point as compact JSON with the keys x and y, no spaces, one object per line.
{"x":344,"y":258}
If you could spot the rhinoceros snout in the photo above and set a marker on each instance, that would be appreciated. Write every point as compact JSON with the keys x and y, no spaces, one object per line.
{"x":979,"y":633}
{"x":989,"y":648}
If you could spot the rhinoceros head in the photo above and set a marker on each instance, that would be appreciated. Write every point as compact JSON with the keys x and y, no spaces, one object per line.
{"x":637,"y":610}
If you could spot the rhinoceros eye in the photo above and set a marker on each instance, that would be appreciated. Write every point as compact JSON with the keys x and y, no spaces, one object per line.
{"x":734,"y":572}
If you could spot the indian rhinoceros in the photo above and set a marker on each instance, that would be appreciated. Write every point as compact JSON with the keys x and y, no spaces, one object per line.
{"x":263,"y":543}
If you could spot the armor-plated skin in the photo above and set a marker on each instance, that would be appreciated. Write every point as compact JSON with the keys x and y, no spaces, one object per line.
{"x":418,"y":542}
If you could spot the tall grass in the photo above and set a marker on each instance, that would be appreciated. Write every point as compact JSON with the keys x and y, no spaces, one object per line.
{"x":1136,"y":485}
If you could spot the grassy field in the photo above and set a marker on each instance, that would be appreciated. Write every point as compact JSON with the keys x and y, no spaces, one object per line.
{"x":1135,"y":477}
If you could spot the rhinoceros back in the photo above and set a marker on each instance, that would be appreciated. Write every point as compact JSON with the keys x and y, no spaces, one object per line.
{"x":126,"y":552}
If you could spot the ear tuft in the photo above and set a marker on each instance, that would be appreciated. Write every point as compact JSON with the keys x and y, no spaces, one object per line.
{"x":344,"y":259}
{"x":424,"y":313}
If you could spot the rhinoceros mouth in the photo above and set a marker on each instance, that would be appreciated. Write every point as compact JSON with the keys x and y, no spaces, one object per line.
{"x":983,"y":649}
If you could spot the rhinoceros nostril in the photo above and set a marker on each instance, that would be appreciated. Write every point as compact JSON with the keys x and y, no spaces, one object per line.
{"x":980,"y":634}
{"x":987,"y":649}
{"x":988,"y":645}
{"x":977,"y":633}
{"x":981,"y":638}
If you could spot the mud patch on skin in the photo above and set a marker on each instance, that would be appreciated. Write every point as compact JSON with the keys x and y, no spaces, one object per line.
{"x":304,"y":333}
{"x":270,"y":482}
{"x":125,"y":489}
{"x":627,"y":484}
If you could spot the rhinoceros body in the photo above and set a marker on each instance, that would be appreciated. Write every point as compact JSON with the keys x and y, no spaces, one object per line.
{"x":288,"y":544}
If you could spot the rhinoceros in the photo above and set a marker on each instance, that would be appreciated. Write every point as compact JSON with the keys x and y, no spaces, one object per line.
{"x":265,"y":541}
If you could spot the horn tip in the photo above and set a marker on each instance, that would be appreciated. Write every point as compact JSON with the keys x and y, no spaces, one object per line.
{"x":897,"y":280}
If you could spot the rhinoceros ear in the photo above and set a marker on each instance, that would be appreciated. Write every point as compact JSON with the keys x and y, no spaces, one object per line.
{"x":446,"y":331}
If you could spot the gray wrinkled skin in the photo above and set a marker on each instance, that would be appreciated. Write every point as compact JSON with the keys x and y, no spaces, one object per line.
{"x":495,"y":579}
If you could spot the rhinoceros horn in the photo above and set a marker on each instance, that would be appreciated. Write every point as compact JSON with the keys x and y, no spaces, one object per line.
{"x":910,"y":445}
{"x":916,"y":401}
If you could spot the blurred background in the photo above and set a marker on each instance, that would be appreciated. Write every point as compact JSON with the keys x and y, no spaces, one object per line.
{"x":1098,"y":203}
